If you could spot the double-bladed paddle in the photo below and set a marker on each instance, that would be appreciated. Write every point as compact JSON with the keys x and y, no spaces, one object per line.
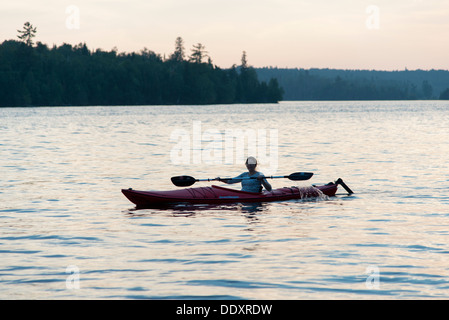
{"x":186,"y":181}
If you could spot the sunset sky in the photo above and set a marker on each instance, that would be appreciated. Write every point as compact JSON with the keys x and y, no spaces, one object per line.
{"x":346,"y":34}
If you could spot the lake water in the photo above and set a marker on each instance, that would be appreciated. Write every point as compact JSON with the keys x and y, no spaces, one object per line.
{"x":67,"y":232}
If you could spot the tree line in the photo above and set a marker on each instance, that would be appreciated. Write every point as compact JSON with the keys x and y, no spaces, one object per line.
{"x":36,"y":75}
{"x":333,"y":84}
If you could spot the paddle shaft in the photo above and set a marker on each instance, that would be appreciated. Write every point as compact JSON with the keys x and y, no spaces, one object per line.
{"x":184,"y":181}
{"x":246,"y":178}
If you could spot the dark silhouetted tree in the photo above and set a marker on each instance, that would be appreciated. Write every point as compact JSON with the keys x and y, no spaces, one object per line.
{"x":244,"y":61}
{"x":198,"y":53}
{"x":27,"y":34}
{"x":179,"y":54}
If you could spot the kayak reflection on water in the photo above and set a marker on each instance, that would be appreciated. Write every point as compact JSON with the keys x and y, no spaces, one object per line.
{"x":250,"y":209}
{"x":252,"y":181}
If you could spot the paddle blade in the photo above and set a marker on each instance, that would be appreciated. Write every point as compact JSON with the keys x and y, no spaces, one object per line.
{"x":300,"y":176}
{"x":183,"y":181}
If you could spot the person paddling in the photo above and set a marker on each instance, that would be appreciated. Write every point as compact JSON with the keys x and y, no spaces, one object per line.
{"x":250,"y":185}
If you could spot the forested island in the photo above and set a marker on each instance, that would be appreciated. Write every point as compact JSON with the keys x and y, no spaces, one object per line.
{"x":66,"y":75}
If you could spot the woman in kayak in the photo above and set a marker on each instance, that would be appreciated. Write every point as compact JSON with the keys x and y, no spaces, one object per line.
{"x":250,"y":185}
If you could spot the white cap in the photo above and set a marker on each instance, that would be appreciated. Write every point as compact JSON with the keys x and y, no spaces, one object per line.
{"x":251,"y":160}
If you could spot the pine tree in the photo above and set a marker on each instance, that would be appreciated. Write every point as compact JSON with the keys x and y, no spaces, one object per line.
{"x":244,"y":61}
{"x":179,"y":53}
{"x":27,"y":34}
{"x":198,"y":53}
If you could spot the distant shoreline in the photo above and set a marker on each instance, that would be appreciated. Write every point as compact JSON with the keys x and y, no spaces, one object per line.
{"x":224,"y":105}
{"x":340,"y":84}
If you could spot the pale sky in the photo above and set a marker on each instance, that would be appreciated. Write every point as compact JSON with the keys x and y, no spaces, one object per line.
{"x":346,"y":34}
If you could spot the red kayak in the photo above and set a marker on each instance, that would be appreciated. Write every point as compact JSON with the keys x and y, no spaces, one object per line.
{"x":221,"y":195}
